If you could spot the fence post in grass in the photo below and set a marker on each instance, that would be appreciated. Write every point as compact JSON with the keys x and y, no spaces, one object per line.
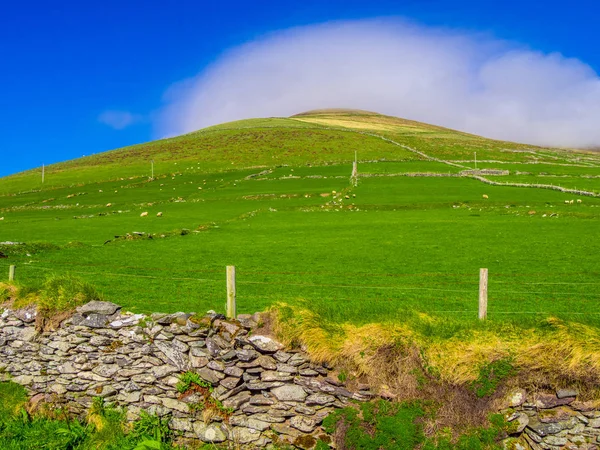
{"x":483,"y":291}
{"x":11,"y":273}
{"x":231,"y":313}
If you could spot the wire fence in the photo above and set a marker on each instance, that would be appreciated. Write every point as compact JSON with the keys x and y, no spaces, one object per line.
{"x":366,"y":295}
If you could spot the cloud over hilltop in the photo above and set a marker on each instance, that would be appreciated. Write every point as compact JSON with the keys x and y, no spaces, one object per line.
{"x":452,"y":78}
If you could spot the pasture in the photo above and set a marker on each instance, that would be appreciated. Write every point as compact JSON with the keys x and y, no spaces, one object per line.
{"x":273,"y":197}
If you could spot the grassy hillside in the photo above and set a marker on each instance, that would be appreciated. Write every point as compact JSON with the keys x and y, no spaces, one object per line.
{"x":274,"y":198}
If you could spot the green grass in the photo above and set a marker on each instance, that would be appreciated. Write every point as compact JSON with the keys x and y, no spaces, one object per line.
{"x":397,"y":244}
{"x":54,"y":429}
{"x":399,"y":426}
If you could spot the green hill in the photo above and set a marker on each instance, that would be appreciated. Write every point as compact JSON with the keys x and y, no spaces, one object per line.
{"x":274,"y":197}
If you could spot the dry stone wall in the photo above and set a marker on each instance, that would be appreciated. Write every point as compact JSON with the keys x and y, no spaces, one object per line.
{"x":552,"y":421}
{"x":135,"y":361}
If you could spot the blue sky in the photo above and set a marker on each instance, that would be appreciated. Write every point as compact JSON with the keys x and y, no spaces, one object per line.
{"x":66,"y":65}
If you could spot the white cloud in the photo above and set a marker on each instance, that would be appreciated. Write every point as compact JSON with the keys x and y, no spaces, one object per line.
{"x":452,"y":78}
{"x":118,"y":119}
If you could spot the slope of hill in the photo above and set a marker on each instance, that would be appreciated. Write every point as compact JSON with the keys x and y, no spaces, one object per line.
{"x":274,"y":197}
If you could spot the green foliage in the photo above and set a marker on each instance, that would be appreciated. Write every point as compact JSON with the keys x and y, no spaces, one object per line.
{"x":12,"y":399}
{"x":105,"y":428}
{"x":187,"y":380}
{"x":151,"y":428}
{"x":190,"y":382}
{"x":491,"y":375}
{"x":382,"y":425}
{"x":397,"y":426}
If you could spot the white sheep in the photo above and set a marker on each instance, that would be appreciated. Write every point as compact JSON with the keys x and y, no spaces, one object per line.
{"x":144,"y":214}
{"x":159,"y":214}
{"x":579,"y":200}
{"x":485,"y":196}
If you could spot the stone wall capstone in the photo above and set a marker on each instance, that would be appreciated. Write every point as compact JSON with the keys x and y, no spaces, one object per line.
{"x":135,"y":361}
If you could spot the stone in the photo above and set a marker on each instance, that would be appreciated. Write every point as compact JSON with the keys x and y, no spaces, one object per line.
{"x":293,"y":393}
{"x":163,"y":371}
{"x":546,"y":401}
{"x":212,"y":347}
{"x":247,"y":321}
{"x":255,"y":385}
{"x":304,"y":424}
{"x":90,"y":321}
{"x":143,"y":378}
{"x":544,"y":429}
{"x":175,"y":405}
{"x":198,"y":361}
{"x":178,"y":317}
{"x":251,"y":409}
{"x":249,"y":422}
{"x":266,"y":362}
{"x":233,"y":371}
{"x":558,"y":414}
{"x":522,"y":422}
{"x":106,"y":370}
{"x":287,"y":368}
{"x":308,"y":373}
{"x":516,"y":398}
{"x":319,"y":399}
{"x":230,"y":382}
{"x":243,"y":435}
{"x":565,"y":393}
{"x":98,"y":307}
{"x":246,"y":355}
{"x":130,"y":386}
{"x":238,"y":400}
{"x":310,"y":411}
{"x":104,"y":391}
{"x":130,"y":397}
{"x":282,"y":356}
{"x":555,"y":440}
{"x":211,"y":376}
{"x":61,"y":345}
{"x":263,"y":417}
{"x":67,"y":368}
{"x":296,"y":360}
{"x":27,"y":314}
{"x":100,"y":341}
{"x":269,"y":375}
{"x":282,"y":428}
{"x":264,"y":344}
{"x":180,"y":424}
{"x":216,"y":365}
{"x":260,"y":400}
{"x":175,"y":356}
{"x":58,"y":389}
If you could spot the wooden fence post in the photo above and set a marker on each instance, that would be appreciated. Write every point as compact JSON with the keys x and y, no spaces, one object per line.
{"x":231,"y":313}
{"x":11,"y":273}
{"x":483,"y":291}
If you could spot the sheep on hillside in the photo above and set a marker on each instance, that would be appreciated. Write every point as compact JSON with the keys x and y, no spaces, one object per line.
{"x":144,"y":214}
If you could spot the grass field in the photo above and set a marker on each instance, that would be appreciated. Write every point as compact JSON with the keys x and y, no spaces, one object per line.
{"x":259,"y":194}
